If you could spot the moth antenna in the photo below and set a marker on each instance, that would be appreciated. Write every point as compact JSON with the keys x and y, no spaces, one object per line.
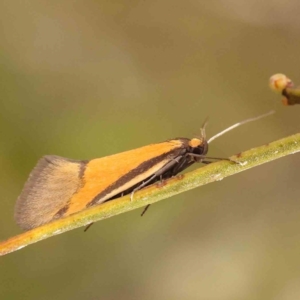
{"x":239,"y":124}
{"x":202,"y":129}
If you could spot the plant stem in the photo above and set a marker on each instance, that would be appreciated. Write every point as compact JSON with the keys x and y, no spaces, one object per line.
{"x":156,"y":192}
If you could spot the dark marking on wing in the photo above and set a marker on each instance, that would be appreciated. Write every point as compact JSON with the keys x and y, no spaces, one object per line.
{"x":143,"y":167}
{"x":83,"y":164}
{"x":61,"y":212}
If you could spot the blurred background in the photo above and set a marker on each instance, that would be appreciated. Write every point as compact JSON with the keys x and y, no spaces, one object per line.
{"x":85,"y":79}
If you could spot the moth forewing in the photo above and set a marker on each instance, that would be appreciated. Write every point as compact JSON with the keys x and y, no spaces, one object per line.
{"x":58,"y":186}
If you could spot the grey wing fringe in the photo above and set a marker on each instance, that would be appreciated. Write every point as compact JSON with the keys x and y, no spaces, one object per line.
{"x":50,"y":186}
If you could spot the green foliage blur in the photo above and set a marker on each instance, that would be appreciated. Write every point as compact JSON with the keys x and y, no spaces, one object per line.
{"x":85,"y":79}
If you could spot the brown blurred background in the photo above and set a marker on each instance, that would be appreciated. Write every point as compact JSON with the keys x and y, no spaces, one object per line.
{"x":85,"y":79}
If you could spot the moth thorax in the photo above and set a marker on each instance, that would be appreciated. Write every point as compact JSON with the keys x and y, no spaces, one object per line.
{"x":195,"y":142}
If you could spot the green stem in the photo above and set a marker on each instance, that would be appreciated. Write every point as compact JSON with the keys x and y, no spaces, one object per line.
{"x":157,"y":192}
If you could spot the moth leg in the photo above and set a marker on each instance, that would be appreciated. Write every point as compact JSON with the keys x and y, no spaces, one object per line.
{"x":160,"y":172}
{"x":160,"y":178}
{"x":206,"y":162}
{"x":228,"y":159}
{"x":145,"y":209}
{"x":212,"y":158}
{"x":179,"y":165}
{"x":88,"y":226}
{"x":147,"y":206}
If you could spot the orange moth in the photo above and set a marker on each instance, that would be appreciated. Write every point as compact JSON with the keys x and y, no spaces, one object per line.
{"x":58,"y":187}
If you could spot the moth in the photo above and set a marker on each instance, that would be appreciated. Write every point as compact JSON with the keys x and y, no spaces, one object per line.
{"x":58,"y":187}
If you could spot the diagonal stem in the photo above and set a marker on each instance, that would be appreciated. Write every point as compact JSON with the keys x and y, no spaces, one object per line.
{"x":156,"y":192}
